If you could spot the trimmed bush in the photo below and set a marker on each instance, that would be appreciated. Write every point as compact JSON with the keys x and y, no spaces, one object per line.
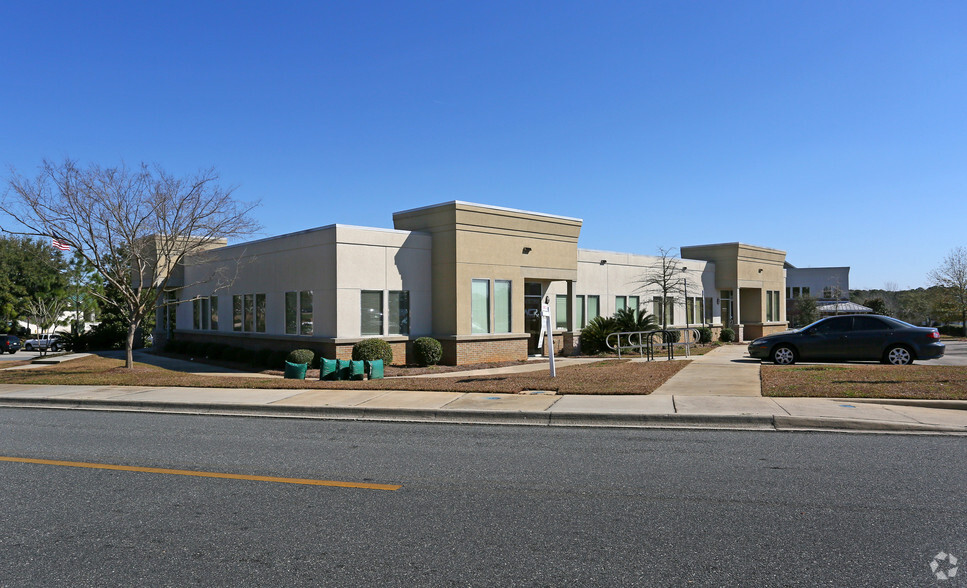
{"x":727,"y":335}
{"x":172,"y":346}
{"x":428,"y":351}
{"x":671,"y":336}
{"x":301,"y":356}
{"x":217,"y":350}
{"x":704,"y":335}
{"x":370,"y":349}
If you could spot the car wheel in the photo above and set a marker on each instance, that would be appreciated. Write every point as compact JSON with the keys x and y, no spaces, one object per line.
{"x":898,"y":355}
{"x":783,"y":355}
{"x":28,"y":347}
{"x":12,"y":351}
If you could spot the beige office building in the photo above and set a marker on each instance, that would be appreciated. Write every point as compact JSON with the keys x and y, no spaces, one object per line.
{"x":473,"y":276}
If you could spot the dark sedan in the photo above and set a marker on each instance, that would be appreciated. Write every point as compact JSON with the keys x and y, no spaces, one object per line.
{"x":851,"y":337}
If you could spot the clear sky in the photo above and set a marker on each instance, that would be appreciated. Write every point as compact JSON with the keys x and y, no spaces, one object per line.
{"x":836,"y":131}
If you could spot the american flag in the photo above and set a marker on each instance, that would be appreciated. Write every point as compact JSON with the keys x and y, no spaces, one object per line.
{"x":60,"y":244}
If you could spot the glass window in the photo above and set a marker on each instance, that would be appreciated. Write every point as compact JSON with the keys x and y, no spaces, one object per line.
{"x":291,"y":313}
{"x":248,"y":313}
{"x":594,"y":307}
{"x":214,"y":313}
{"x":260,"y":313}
{"x":620,"y":303}
{"x":170,"y":311}
{"x":579,"y":303}
{"x":708,"y":310}
{"x":399,"y":312}
{"x":670,"y":310}
{"x":868,"y":323}
{"x":634,"y":305}
{"x":305,"y":312}
{"x":805,"y":290}
{"x":560,"y":312}
{"x":371,"y":305}
{"x":502,"y":302}
{"x":828,"y":292}
{"x":690,"y":310}
{"x":196,"y":314}
{"x":480,"y":306}
{"x":237,"y":312}
{"x":657,"y":310}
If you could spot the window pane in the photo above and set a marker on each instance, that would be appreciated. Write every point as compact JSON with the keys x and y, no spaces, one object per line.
{"x":371,"y":306}
{"x":560,"y":312}
{"x":579,"y":302}
{"x":634,"y":305}
{"x":657,"y":310}
{"x":502,"y":306}
{"x":305,"y":312}
{"x":480,"y":306}
{"x":620,"y":303}
{"x":291,"y":313}
{"x":670,"y":310}
{"x":214,"y":311}
{"x":805,"y":290}
{"x":399,"y":313}
{"x":196,"y":314}
{"x":248,"y":314}
{"x":708,"y":310}
{"x":690,"y":310}
{"x":594,"y":307}
{"x":206,"y":313}
{"x":260,"y":313}
{"x":237,"y":312}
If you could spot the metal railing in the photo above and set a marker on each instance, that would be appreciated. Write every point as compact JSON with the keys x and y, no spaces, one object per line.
{"x":645,"y":342}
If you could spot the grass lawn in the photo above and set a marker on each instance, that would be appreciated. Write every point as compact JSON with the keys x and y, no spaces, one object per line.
{"x":610,"y":376}
{"x":936,"y":382}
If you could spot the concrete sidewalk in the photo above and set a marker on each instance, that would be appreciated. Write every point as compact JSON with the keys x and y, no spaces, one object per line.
{"x":719,"y":390}
{"x":655,"y":411}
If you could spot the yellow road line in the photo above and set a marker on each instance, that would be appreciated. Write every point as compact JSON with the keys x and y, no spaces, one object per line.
{"x":107,"y":466}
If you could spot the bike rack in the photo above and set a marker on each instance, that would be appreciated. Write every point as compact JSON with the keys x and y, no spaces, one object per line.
{"x":644,"y":341}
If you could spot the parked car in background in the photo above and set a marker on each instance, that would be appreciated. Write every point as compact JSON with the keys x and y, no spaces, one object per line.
{"x":9,"y":344}
{"x":851,"y":337}
{"x":50,"y":342}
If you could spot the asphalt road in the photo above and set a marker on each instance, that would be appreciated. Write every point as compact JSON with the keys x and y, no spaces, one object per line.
{"x":494,"y":506}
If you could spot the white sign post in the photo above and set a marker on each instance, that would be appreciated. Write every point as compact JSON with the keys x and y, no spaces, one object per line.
{"x":546,"y":328}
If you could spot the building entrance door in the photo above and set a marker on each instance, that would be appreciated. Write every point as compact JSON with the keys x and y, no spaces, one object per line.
{"x":725,"y":306}
{"x":532,"y":315}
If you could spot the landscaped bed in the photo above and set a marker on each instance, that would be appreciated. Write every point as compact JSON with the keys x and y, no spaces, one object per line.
{"x":602,"y":377}
{"x":866,"y":381}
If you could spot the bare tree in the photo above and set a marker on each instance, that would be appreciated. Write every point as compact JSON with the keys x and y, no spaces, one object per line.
{"x":45,"y":312}
{"x":134,"y":226}
{"x":952,"y":277}
{"x":665,"y":275}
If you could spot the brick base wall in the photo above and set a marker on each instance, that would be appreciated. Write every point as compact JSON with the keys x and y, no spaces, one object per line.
{"x":469,"y":351}
{"x":325,"y":349}
{"x":755,"y":330}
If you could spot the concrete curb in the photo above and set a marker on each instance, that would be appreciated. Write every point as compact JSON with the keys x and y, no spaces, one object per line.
{"x":531,"y":418}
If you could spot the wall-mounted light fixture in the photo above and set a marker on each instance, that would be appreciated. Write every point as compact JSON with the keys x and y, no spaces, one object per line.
{"x":604,"y":261}
{"x":527,"y":250}
{"x":760,"y":270}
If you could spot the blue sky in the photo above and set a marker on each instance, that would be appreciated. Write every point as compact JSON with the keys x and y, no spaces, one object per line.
{"x":836,"y":131}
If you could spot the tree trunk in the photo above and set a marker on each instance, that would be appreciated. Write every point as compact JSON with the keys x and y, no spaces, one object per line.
{"x":129,"y":345}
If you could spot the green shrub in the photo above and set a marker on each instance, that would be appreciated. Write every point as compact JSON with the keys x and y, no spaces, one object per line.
{"x":704,"y":335}
{"x":301,"y":356}
{"x":594,"y":336}
{"x":263,"y":357}
{"x":727,"y":335}
{"x":428,"y":351}
{"x":370,"y":349}
{"x":277,"y":360}
{"x":172,"y":346}
{"x":195,"y":349}
{"x":245,"y":356}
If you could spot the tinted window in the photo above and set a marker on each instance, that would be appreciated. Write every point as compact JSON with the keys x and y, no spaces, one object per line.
{"x":868,"y":323}
{"x":834,"y":325}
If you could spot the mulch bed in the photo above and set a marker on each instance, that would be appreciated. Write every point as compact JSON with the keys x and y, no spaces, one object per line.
{"x":603,"y":377}
{"x":937,"y":382}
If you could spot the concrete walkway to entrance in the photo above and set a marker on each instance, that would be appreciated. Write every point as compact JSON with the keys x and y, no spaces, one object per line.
{"x":724,"y":371}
